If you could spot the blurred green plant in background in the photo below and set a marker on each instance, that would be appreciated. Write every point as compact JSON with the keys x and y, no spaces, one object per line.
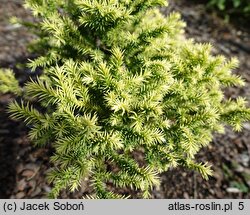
{"x":241,"y":7}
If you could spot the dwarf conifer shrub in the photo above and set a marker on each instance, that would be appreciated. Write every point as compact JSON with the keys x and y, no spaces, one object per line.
{"x":123,"y":95}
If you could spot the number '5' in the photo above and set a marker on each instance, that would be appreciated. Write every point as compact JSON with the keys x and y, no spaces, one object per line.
{"x":241,"y":206}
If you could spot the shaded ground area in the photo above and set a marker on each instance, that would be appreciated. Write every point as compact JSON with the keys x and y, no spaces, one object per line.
{"x":23,"y":167}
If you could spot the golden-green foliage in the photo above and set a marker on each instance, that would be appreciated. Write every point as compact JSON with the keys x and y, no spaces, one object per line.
{"x":8,"y":82}
{"x":119,"y":79}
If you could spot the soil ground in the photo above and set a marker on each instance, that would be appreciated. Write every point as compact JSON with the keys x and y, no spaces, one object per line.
{"x":24,"y":167}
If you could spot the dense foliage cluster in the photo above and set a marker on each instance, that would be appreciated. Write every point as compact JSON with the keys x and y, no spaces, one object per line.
{"x":123,"y":95}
